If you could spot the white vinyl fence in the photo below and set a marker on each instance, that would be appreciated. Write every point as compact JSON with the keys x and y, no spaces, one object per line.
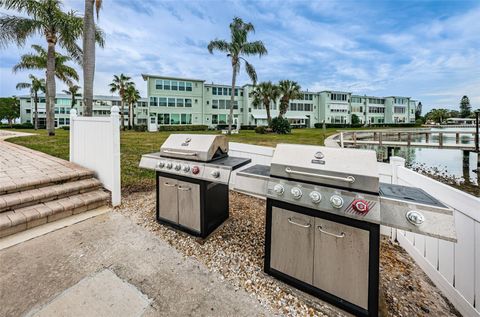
{"x":95,"y":144}
{"x":453,"y":267}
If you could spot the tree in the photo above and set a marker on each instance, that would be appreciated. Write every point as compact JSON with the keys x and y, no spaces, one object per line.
{"x":9,"y":109}
{"x":38,"y":60}
{"x":263,"y":94}
{"x":465,"y":107}
{"x":418,"y":110}
{"x":236,"y":49}
{"x":289,"y":90}
{"x":44,"y":17}
{"x":35,"y":85}
{"x":89,"y":53}
{"x":438,"y":115}
{"x":73,"y":92}
{"x":120,"y":84}
{"x":355,"y":119}
{"x":132,"y":95}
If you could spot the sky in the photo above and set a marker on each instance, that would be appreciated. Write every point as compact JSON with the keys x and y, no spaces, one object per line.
{"x":427,"y":50}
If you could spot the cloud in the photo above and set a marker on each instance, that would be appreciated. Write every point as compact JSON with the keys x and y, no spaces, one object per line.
{"x":428,"y":50}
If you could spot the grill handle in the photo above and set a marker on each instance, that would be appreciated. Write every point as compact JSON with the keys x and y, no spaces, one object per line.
{"x":298,"y":224}
{"x":341,"y":235}
{"x":348,"y":179}
{"x":184,"y":188}
{"x":180,"y":153}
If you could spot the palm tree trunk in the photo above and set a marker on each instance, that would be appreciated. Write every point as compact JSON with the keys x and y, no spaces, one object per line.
{"x":269,"y":116}
{"x":88,"y":57}
{"x":122,"y":124}
{"x":50,"y":107}
{"x":130,"y":116}
{"x":35,"y":102}
{"x":232,"y":100}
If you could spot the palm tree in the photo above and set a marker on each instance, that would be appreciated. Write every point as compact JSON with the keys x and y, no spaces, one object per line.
{"x":38,"y":60}
{"x":36,"y":85}
{"x":44,"y":17}
{"x":132,"y":95}
{"x":264,"y":93}
{"x":89,"y":54}
{"x":235,"y":49}
{"x":120,"y":84}
{"x":289,"y":90}
{"x":73,"y":92}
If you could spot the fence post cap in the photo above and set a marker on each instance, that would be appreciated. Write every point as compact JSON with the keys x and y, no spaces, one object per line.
{"x":73,"y":112}
{"x":396,"y":160}
{"x":115,"y":110}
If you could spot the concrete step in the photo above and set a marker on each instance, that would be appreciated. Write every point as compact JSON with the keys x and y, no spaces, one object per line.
{"x":36,"y":196}
{"x":28,"y":217}
{"x":34,"y":180}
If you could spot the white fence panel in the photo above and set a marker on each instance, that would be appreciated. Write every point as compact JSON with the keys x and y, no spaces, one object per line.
{"x":95,"y":144}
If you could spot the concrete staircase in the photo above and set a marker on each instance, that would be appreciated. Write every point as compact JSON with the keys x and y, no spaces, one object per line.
{"x":29,"y":203}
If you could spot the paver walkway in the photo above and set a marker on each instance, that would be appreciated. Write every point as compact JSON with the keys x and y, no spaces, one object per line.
{"x":56,"y":274}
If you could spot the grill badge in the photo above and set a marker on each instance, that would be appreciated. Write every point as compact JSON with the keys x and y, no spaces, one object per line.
{"x":318,"y":158}
{"x":187,"y":142}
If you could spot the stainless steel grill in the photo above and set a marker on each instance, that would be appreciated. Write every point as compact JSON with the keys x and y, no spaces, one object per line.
{"x":193,"y":172}
{"x":324,"y":210}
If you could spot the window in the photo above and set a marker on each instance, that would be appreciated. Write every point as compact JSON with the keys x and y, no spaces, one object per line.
{"x":162,"y":101}
{"x":215,"y":104}
{"x":62,"y":110}
{"x":188,"y":103}
{"x":339,"y":97}
{"x":235,"y":104}
{"x":158,"y":84}
{"x":67,"y":120}
{"x":181,"y":85}
{"x":174,"y":85}
{"x":225,"y":91}
{"x":221,"y":104}
{"x":174,"y":118}
{"x":399,"y":109}
{"x":171,"y":102}
{"x":166,"y":84}
{"x":376,"y":101}
{"x":56,"y":110}
{"x":215,"y":119}
{"x":179,"y":102}
{"x":61,"y":121}
{"x":153,"y":101}
{"x":236,"y":91}
{"x":222,"y":118}
{"x":186,"y":118}
{"x":42,"y":100}
{"x":293,"y":107}
{"x":376,"y":109}
{"x":188,"y":86}
{"x":356,"y":100}
{"x":229,"y":91}
{"x":29,"y":110}
{"x":300,"y":107}
{"x":214,"y":90}
{"x":152,"y":120}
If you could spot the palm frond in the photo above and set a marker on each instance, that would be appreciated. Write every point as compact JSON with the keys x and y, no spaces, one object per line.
{"x":98,"y":6}
{"x":99,"y":36}
{"x":17,"y":29}
{"x":20,"y":86}
{"x":254,"y":48}
{"x":251,"y":72}
{"x":218,"y":45}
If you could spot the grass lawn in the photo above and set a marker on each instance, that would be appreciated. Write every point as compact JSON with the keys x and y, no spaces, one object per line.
{"x":134,"y":144}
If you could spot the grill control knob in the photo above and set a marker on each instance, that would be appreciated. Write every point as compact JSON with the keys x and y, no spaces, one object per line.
{"x":296,"y":192}
{"x":278,"y":189}
{"x":336,"y":201}
{"x":215,"y":174}
{"x":169,"y":165}
{"x":178,"y":167}
{"x":316,"y":197}
{"x":195,"y":170}
{"x":186,"y":168}
{"x":161,"y":164}
{"x":360,"y":205}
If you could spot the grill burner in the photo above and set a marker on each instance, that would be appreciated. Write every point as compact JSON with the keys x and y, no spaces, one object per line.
{"x":324,"y":210}
{"x":193,"y":172}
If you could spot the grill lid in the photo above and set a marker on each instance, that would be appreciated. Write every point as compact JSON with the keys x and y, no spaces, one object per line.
{"x":346,"y":168}
{"x":195,"y":147}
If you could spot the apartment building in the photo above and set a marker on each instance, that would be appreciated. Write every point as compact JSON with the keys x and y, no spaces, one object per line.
{"x":63,"y":105}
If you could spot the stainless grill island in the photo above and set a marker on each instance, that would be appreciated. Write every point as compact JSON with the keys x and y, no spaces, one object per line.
{"x":192,"y":176}
{"x":324,"y":210}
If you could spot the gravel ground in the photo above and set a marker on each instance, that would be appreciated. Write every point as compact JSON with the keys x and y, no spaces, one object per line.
{"x":236,"y":250}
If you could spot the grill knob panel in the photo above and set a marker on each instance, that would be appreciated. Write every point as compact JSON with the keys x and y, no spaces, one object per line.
{"x":195,"y":170}
{"x":336,"y":201}
{"x":178,"y":167}
{"x":186,"y":168}
{"x":360,"y":205}
{"x":161,"y":164}
{"x":278,"y":189}
{"x":316,"y":197}
{"x":215,"y":174}
{"x":169,"y":165}
{"x":296,"y":192}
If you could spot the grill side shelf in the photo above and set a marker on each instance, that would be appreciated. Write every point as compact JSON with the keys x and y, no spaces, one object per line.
{"x":409,"y":195}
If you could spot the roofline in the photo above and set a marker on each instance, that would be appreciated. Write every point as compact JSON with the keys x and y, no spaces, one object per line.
{"x":146,"y":76}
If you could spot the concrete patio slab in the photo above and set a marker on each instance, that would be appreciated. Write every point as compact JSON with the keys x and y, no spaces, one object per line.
{"x":37,"y":272}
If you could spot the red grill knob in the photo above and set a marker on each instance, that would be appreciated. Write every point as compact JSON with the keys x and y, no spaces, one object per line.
{"x":195,"y":170}
{"x":360,"y":205}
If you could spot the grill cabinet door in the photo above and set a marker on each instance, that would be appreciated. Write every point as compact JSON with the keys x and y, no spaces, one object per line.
{"x":189,"y":205}
{"x":168,"y":205}
{"x":292,"y":244}
{"x":341,"y":261}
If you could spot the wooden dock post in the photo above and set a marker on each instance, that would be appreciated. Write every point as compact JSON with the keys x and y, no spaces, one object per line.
{"x":409,"y":138}
{"x":380,"y":138}
{"x":457,"y":137}
{"x":341,"y":139}
{"x":440,"y":139}
{"x":354,"y":138}
{"x":427,"y":137}
{"x":399,"y":136}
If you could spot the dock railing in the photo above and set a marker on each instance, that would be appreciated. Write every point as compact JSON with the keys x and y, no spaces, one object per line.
{"x":453,"y":267}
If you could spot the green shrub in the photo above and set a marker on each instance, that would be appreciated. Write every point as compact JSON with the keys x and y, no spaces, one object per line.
{"x":192,"y":127}
{"x":338,"y":125}
{"x":260,"y":129}
{"x":248,"y":127}
{"x":25,"y":125}
{"x":280,"y":125}
{"x":140,"y":128}
{"x":66,"y":127}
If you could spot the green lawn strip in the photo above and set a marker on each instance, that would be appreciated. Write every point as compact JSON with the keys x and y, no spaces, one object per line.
{"x":134,"y":144}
